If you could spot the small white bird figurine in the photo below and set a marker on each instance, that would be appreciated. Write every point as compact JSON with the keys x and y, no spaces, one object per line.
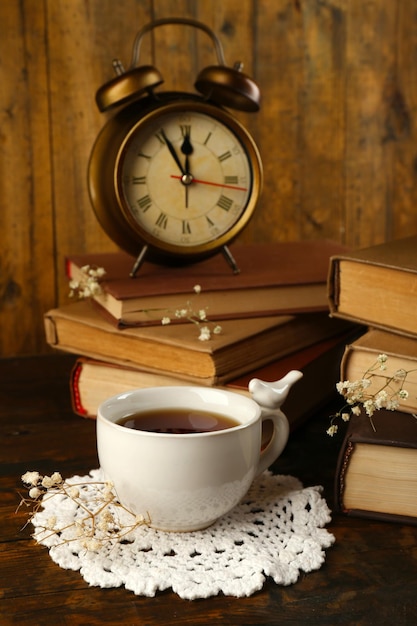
{"x":272,"y":395}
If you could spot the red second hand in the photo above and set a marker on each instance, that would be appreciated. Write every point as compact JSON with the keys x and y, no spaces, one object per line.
{"x":206,"y":182}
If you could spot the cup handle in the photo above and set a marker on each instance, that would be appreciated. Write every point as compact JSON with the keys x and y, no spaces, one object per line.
{"x":277,"y":442}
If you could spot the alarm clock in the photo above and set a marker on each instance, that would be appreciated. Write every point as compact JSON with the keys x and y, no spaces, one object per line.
{"x":173,"y":177}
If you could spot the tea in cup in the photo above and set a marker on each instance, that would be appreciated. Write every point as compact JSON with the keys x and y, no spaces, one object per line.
{"x":183,"y":456}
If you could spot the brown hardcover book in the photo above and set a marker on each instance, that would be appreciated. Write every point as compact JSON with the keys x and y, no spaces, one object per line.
{"x":242,"y":346}
{"x":377,"y":286}
{"x":93,"y":381}
{"x":377,"y":469}
{"x":274,"y":278}
{"x":402,"y":354}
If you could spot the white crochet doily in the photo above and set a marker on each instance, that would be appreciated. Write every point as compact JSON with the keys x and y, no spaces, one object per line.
{"x":277,"y":531}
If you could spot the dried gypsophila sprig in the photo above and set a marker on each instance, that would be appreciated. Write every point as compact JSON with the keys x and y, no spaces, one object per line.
{"x":89,"y":283}
{"x":358,"y":396}
{"x":100,"y":519}
{"x":196,"y":317}
{"x":89,"y":286}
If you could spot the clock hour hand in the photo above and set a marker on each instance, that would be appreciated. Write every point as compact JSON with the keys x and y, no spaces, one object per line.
{"x":173,"y":152}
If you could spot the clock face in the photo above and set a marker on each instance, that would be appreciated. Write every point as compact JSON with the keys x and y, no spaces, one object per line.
{"x":187,"y":177}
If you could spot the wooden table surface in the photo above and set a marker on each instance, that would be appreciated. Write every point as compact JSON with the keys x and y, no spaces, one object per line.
{"x":369,"y":576}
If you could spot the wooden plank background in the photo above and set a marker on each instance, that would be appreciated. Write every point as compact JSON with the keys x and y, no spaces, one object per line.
{"x":336,"y":131}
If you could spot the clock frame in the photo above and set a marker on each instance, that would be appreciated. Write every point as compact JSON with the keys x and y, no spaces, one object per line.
{"x":141,"y":166}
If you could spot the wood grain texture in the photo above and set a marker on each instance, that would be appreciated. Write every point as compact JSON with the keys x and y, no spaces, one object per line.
{"x":26,"y":215}
{"x":336,"y":129}
{"x":370,"y":63}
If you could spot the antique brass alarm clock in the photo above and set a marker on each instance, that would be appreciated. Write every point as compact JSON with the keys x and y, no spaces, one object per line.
{"x":174,"y":176}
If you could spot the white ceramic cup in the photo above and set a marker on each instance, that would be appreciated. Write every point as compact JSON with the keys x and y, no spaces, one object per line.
{"x":185,"y":482}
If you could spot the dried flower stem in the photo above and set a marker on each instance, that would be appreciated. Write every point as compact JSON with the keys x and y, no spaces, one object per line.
{"x":89,"y":286}
{"x":101,"y":522}
{"x":358,"y":396}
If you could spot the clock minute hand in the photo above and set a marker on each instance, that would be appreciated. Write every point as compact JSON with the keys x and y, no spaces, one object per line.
{"x":187,"y":149}
{"x":173,"y":152}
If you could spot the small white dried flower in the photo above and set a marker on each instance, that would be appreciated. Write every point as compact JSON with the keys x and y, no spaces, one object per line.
{"x":31,"y":478}
{"x":165,"y":321}
{"x":51,"y":481}
{"x":205,"y":333}
{"x":217,"y":330}
{"x":369,"y":407}
{"x":103,"y":524}
{"x":51,"y":522}
{"x":380,"y":399}
{"x":108,"y":488}
{"x":79,"y":529}
{"x":56,"y":478}
{"x":332,"y":430}
{"x":107,"y":516}
{"x":96,"y":272}
{"x":197,"y":288}
{"x":34,"y":493}
{"x":92,"y":544}
{"x":74,"y":492}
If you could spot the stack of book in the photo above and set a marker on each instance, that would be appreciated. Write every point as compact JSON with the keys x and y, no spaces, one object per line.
{"x":377,"y":468}
{"x":274,"y":317}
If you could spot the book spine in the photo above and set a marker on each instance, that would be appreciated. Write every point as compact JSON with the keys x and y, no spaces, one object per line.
{"x":333,"y":285}
{"x":76,"y":401}
{"x":51,"y":333}
{"x":341,"y":470}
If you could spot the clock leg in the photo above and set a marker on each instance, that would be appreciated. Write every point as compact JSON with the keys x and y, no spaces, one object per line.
{"x":138,"y":262}
{"x":230,"y":259}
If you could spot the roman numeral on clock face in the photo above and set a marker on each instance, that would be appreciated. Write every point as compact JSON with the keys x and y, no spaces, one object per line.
{"x":160,"y":135}
{"x":224,"y":156}
{"x":138,"y":180}
{"x":186,"y":228}
{"x":145,"y":202}
{"x":225,"y":203}
{"x":162,"y":220}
